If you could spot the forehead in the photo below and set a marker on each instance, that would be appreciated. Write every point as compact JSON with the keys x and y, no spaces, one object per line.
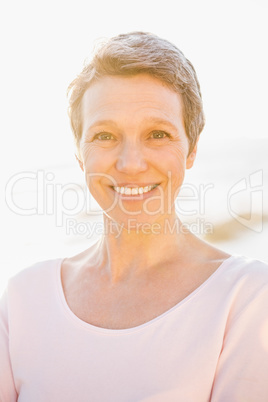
{"x":137,"y":97}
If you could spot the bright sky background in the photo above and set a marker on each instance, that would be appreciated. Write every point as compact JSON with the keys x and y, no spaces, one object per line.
{"x":45,"y":43}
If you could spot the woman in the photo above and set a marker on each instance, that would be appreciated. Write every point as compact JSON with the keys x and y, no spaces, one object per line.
{"x":149,"y":312}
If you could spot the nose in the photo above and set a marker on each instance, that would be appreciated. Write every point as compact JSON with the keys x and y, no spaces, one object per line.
{"x":131,"y":159}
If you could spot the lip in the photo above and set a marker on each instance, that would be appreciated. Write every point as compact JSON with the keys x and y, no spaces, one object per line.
{"x":135,"y":197}
{"x":134,"y":185}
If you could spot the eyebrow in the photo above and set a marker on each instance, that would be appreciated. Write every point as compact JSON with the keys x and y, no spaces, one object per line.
{"x":164,"y":122}
{"x":102,"y":123}
{"x":150,"y":119}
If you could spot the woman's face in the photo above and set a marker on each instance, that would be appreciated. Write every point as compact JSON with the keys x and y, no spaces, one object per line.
{"x":134,"y":147}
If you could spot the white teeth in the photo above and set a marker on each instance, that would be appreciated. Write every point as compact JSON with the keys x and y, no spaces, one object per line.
{"x":135,"y":190}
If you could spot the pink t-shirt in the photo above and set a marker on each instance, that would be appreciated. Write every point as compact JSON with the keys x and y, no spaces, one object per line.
{"x":212,"y":346}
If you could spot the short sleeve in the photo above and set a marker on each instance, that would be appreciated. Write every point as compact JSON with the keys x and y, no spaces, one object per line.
{"x":242,"y":371}
{"x":7,"y":387}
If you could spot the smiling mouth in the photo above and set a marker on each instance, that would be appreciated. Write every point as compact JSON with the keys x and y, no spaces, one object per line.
{"x":134,"y":190}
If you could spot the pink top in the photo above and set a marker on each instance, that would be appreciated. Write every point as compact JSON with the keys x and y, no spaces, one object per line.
{"x":212,"y":346}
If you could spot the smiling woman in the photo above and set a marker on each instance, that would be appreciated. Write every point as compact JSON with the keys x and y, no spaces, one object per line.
{"x":133,"y":139}
{"x":149,"y":312}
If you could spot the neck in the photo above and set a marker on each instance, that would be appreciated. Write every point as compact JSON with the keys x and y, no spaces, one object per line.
{"x":134,"y":251}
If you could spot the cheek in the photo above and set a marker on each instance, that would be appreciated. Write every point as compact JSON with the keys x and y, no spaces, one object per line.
{"x":176,"y":166}
{"x":175,"y":160}
{"x":97,"y":167}
{"x":93,"y":159}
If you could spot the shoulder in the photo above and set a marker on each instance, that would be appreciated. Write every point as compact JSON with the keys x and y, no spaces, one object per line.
{"x":235,"y":267}
{"x":34,"y":276}
{"x":31,"y":292}
{"x":243,"y":273}
{"x":29,"y":283}
{"x":243,"y":364}
{"x":248,"y":269}
{"x":244,"y":285}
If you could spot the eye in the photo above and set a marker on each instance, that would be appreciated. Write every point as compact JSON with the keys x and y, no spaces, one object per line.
{"x":159,"y":134}
{"x":103,"y":136}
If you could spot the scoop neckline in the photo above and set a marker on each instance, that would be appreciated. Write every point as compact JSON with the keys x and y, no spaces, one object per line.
{"x":109,"y":331}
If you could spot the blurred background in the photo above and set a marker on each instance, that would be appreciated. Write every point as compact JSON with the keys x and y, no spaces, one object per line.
{"x":44,"y":45}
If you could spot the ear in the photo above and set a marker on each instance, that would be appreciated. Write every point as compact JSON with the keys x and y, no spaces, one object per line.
{"x":191,"y":157}
{"x":80,"y":162}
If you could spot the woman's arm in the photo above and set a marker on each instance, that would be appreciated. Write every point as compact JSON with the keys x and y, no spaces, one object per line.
{"x":7,"y":387}
{"x":242,"y":371}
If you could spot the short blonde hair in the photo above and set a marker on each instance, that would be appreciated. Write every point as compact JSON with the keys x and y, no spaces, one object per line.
{"x":135,"y":53}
